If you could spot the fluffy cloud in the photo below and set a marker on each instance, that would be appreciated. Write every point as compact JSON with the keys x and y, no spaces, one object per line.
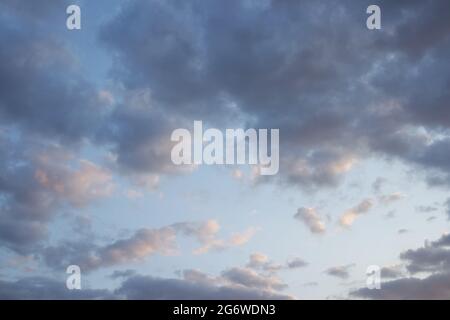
{"x":350,"y":215}
{"x":311,"y":219}
{"x":48,"y":179}
{"x":206,"y":234}
{"x":342,"y":104}
{"x":143,"y":243}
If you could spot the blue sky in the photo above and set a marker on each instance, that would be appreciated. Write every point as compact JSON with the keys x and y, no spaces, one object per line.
{"x":86,"y":176}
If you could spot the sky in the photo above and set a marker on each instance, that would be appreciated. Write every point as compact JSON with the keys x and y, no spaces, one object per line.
{"x":86,"y":176}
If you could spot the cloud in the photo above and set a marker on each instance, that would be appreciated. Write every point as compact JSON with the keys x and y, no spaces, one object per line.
{"x":426,"y":209}
{"x":251,"y":279}
{"x":153,"y":288}
{"x":117,"y":274}
{"x":79,"y":186}
{"x":447,"y":205}
{"x":390,"y":198}
{"x":259,"y":261}
{"x":341,"y":272}
{"x":39,"y":181}
{"x":311,"y":219}
{"x":391,"y":272}
{"x":433,"y":257}
{"x":296,"y":263}
{"x":41,"y":288}
{"x":142,"y":244}
{"x":332,"y":122}
{"x":349,"y":216}
{"x":206,"y":234}
{"x":42,"y":92}
{"x":434,"y":287}
{"x":236,"y":284}
{"x":432,"y":260}
{"x":378,"y":184}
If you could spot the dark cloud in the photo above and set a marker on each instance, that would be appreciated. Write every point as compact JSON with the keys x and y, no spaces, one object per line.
{"x":434,"y":287}
{"x":152,"y":288}
{"x":40,"y":288}
{"x":117,"y":274}
{"x":41,"y":89}
{"x":327,"y":88}
{"x":432,"y":260}
{"x":433,"y":257}
{"x":391,"y":272}
{"x":200,"y":287}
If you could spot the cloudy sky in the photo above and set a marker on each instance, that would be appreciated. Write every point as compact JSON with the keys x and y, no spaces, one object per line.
{"x":86,"y":177}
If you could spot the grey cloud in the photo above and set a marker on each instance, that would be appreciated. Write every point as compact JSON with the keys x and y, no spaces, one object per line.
{"x":433,"y":257}
{"x":117,"y":274}
{"x":142,"y":244}
{"x":342,"y":272}
{"x":433,"y":260}
{"x":41,"y":90}
{"x":41,"y":288}
{"x":434,"y":287}
{"x":147,"y":287}
{"x":391,"y":272}
{"x":341,"y":102}
{"x":136,"y":287}
{"x":296,"y":263}
{"x":332,"y":82}
{"x":311,"y":219}
{"x":251,"y":279}
{"x":36,"y":182}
